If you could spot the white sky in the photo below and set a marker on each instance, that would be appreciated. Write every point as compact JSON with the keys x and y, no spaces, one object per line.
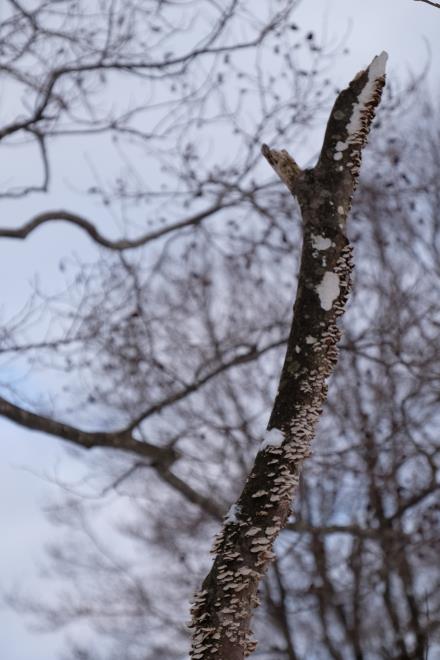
{"x":409,"y":31}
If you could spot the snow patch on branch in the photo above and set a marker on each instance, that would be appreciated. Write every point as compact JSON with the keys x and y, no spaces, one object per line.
{"x":232,"y":515}
{"x":320,"y":242}
{"x":328,"y":290}
{"x":363,"y":109}
{"x":376,"y":70}
{"x":272,"y":438}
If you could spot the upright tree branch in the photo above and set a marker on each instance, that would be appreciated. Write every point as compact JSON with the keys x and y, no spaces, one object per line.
{"x":243,"y":549}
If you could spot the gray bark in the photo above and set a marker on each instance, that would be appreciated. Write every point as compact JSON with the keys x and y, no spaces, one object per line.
{"x":223,"y":607}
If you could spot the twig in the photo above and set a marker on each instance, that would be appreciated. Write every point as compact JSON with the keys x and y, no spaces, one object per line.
{"x":429,"y":2}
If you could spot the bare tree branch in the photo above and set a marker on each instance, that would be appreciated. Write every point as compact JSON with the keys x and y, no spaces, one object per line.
{"x":161,"y":457}
{"x":429,"y":2}
{"x":243,"y":549}
{"x":122,"y":440}
{"x":206,"y":504}
{"x":352,"y":530}
{"x":134,"y":64}
{"x":250,"y":355}
{"x":90,"y":229}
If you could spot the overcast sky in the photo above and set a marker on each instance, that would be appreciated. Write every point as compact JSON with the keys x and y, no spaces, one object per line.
{"x":409,"y":31}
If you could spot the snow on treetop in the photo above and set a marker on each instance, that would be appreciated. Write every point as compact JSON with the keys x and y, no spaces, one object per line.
{"x":378,"y":65}
{"x":375,"y":70}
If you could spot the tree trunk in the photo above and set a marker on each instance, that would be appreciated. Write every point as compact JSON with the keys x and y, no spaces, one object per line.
{"x":223,"y":607}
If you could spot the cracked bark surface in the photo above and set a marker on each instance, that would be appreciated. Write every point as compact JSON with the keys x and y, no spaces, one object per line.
{"x":222,"y":609}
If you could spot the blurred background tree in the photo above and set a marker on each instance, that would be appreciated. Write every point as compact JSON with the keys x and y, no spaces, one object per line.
{"x":159,"y":345}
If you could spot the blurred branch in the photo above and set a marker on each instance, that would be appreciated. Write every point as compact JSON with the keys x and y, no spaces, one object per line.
{"x":44,"y":185}
{"x":191,"y":495}
{"x":161,"y":457}
{"x":90,"y":229}
{"x":121,"y":440}
{"x":352,"y":530}
{"x":429,"y":2}
{"x":252,"y":354}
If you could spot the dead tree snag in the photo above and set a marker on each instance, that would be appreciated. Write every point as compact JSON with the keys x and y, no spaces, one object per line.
{"x":243,"y":549}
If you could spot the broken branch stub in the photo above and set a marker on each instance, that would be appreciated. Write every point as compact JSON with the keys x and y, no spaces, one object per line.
{"x":222,"y":609}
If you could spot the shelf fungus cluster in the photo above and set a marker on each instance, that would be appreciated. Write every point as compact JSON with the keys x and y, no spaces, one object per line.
{"x":243,"y":549}
{"x":221,"y":616}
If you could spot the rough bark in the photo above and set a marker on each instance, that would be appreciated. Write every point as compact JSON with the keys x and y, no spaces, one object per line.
{"x":223,"y":607}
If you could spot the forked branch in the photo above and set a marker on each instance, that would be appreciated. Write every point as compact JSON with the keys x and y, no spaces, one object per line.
{"x":243,"y":549}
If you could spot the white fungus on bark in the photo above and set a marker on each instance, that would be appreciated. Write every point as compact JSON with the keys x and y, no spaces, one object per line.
{"x":328,"y":290}
{"x":239,"y":571}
